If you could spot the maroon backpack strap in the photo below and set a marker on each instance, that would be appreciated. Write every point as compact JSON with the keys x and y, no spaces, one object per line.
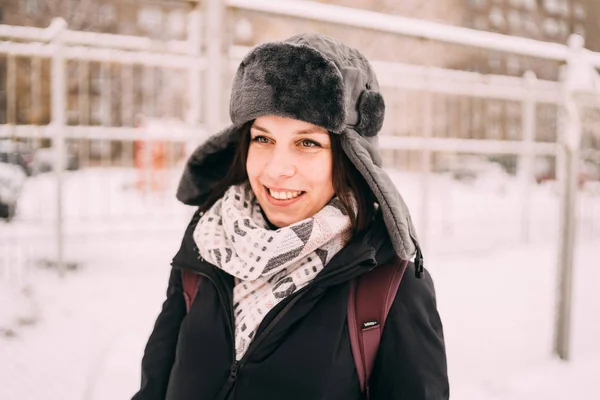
{"x":371,"y":297}
{"x":190,"y":281}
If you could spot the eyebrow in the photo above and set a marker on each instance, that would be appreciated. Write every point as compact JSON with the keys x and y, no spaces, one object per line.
{"x":307,"y":131}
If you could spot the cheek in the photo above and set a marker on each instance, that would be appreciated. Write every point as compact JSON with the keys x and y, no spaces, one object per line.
{"x":253,"y":164}
{"x":321,"y":173}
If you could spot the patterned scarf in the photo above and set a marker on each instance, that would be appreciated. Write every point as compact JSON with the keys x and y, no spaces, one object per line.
{"x":268,"y":265}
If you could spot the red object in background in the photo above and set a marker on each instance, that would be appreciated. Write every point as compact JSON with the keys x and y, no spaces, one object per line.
{"x":148,"y":158}
{"x":149,"y":161}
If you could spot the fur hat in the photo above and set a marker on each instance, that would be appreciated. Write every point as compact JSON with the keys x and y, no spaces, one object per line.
{"x":316,"y":79}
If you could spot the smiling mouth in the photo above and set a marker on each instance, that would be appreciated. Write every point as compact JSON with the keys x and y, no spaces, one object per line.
{"x":284,"y":195}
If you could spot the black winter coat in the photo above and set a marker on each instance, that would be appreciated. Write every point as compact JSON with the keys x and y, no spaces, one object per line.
{"x":302,"y":348}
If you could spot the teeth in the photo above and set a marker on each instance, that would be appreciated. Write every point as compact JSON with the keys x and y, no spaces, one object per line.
{"x":284,"y":195}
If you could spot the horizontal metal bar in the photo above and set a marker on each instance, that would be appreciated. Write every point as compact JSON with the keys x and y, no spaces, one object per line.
{"x":26,"y":49}
{"x":467,"y":145}
{"x":123,"y":133}
{"x":437,"y":80}
{"x":102,"y":55}
{"x":132,"y":57}
{"x":125,"y":42}
{"x":93,"y":39}
{"x":434,"y":74}
{"x":23,"y":33}
{"x":406,"y":26}
{"x":183,"y":134}
{"x":27,"y":131}
{"x":478,"y":90}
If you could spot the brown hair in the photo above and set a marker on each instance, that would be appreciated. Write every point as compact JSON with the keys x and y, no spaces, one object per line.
{"x":348,"y":184}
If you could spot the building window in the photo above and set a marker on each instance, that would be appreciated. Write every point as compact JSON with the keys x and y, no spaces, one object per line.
{"x":95,"y":110}
{"x":578,"y":29}
{"x":530,"y":25}
{"x":480,"y":23}
{"x":244,"y":32}
{"x":494,"y":131}
{"x":495,"y":62}
{"x":551,"y":26}
{"x":33,"y":7}
{"x":150,"y":18}
{"x":563,"y":29}
{"x":513,"y":65}
{"x":515,"y":22}
{"x":560,"y":7}
{"x":477,"y":3}
{"x":176,"y":23}
{"x":579,"y":11}
{"x":496,"y":17}
{"x":563,"y":8}
{"x":516,"y":3}
{"x":107,"y":14}
{"x":552,"y":6}
{"x":513,"y":110}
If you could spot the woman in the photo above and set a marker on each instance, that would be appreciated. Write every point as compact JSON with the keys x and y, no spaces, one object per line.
{"x":293,"y":205}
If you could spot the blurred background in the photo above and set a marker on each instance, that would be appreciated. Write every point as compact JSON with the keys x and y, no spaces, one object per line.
{"x":492,"y":135}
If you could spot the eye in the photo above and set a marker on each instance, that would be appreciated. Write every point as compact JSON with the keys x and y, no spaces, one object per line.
{"x":260,"y":139}
{"x":309,"y":143}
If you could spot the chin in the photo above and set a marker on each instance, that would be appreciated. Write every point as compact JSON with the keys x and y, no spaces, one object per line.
{"x":283,"y":221}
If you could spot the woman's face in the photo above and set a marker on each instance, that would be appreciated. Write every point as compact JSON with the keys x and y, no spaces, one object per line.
{"x":289,"y":166}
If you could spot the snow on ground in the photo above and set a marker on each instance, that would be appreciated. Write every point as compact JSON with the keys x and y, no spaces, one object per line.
{"x":498,"y":313}
{"x":81,"y":336}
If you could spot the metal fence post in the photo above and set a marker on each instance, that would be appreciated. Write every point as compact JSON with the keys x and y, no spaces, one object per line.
{"x":213,"y":74}
{"x":426,"y":164}
{"x":58,"y":27}
{"x":194,"y":39}
{"x":526,"y":161}
{"x":569,"y":139}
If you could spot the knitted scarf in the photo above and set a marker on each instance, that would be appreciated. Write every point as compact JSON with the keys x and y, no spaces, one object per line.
{"x":268,"y":265}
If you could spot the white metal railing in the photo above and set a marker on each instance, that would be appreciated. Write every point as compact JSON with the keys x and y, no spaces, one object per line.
{"x":93,"y":39}
{"x":405,"y":26}
{"x":176,"y":134}
{"x":61,"y":48}
{"x":64,"y":47}
{"x":145,"y":57}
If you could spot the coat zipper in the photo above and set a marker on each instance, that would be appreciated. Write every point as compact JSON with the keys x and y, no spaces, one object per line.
{"x":237,"y":365}
{"x":229,"y":312}
{"x":285,"y":307}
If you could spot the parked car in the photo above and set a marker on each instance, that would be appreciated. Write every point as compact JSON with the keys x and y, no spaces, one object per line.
{"x":469,"y":168}
{"x":12,"y":179}
{"x":16,"y":153}
{"x":43,"y":160}
{"x":545,"y":170}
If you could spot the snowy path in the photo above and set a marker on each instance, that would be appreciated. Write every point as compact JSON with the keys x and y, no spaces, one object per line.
{"x":94,"y":323}
{"x":499,"y":320}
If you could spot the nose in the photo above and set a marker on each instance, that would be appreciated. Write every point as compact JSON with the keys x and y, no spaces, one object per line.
{"x":281,"y":164}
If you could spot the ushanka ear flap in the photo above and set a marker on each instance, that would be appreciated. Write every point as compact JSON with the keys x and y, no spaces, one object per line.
{"x":207,"y":165}
{"x":397,"y":218}
{"x":371,"y":110}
